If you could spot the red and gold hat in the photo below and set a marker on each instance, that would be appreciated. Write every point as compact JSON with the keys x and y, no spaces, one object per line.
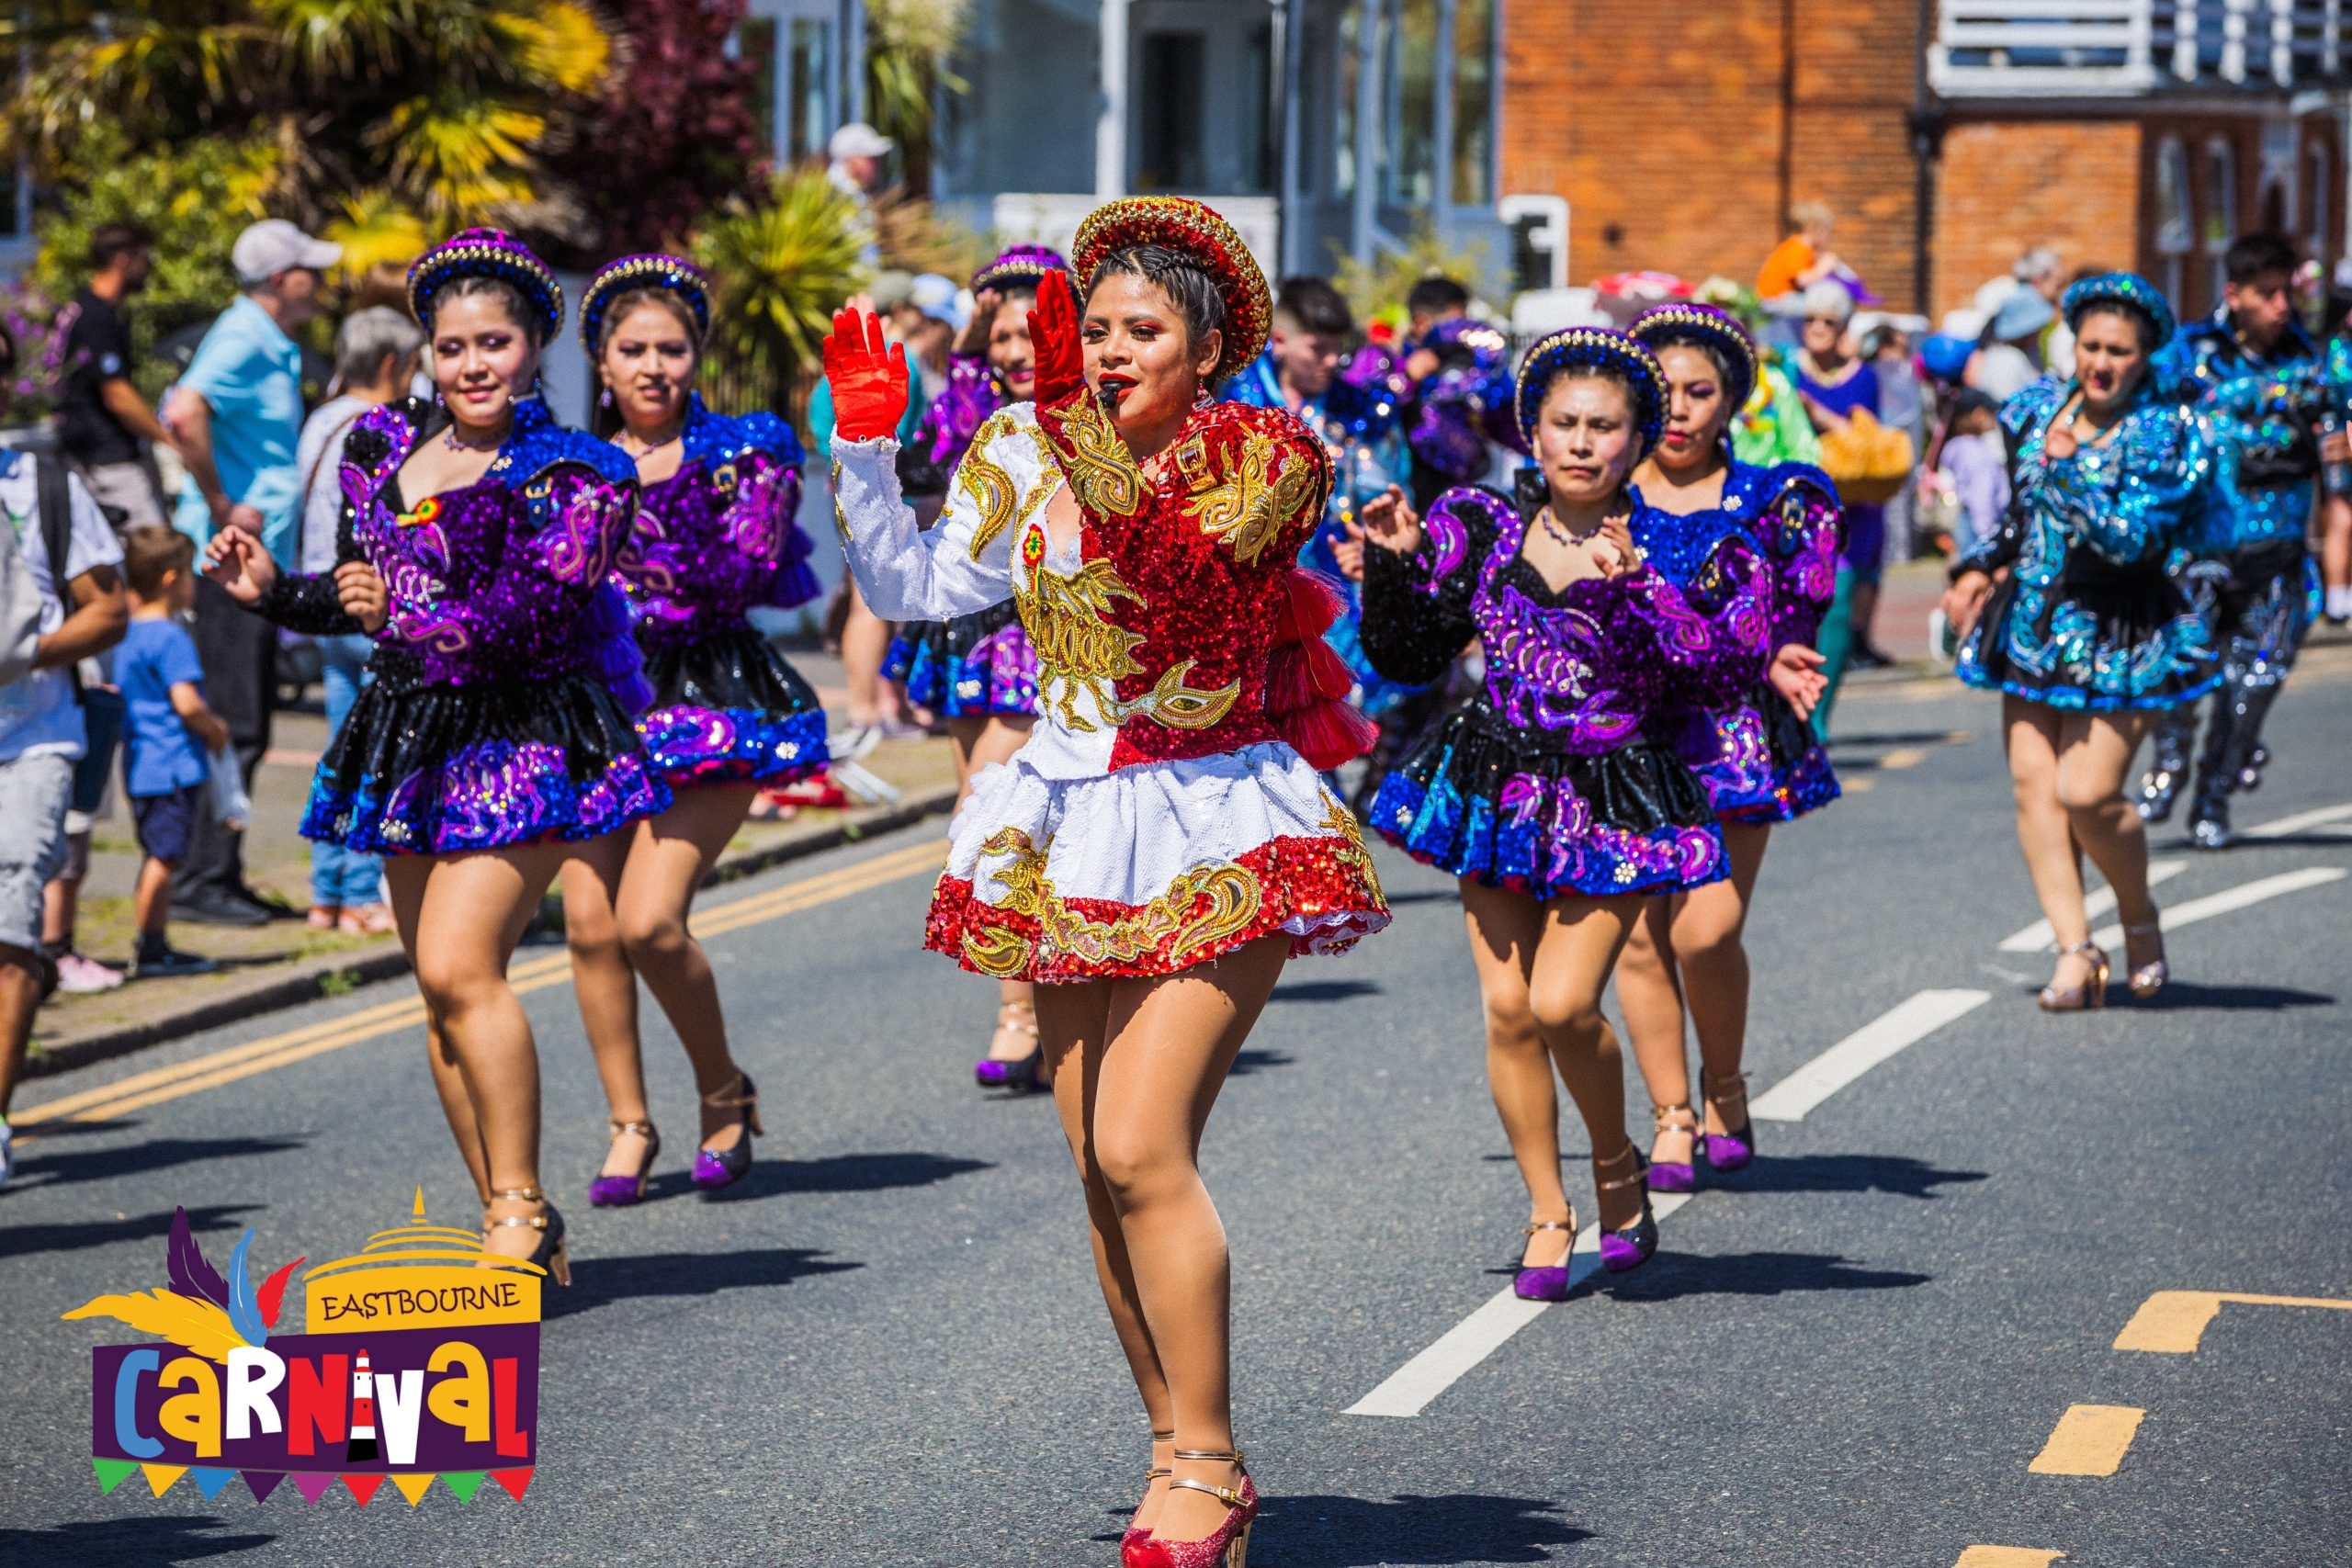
{"x":1191,"y":229}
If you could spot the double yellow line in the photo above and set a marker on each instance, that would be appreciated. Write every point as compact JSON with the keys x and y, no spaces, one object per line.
{"x":226,"y":1066}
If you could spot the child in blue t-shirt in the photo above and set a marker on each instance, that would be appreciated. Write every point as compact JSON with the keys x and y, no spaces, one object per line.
{"x":164,"y":717}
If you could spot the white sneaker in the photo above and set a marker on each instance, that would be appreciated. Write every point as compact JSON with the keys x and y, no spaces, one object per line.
{"x":77,"y":975}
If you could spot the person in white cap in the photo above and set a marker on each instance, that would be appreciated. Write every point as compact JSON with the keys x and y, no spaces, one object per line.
{"x":856,"y":153}
{"x":237,"y":420}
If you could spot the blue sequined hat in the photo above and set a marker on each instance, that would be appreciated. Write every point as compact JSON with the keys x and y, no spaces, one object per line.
{"x":614,"y":278}
{"x":2128,"y":290}
{"x":1717,"y":329}
{"x":1590,"y":348}
{"x":486,"y":253}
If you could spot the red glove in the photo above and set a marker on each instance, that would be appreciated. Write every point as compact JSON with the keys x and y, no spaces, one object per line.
{"x":868,"y":378}
{"x":1053,"y":340}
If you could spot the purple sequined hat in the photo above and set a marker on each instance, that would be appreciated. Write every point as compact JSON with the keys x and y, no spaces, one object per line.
{"x":486,"y":253}
{"x":614,"y":278}
{"x":1718,"y":330}
{"x":1022,"y":264}
{"x":1589,"y":348}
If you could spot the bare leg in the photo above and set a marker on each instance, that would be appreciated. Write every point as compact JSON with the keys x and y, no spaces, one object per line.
{"x":1580,"y":941}
{"x":1172,"y":1041}
{"x":1649,"y":992}
{"x":995,"y":740}
{"x":19,"y":1000}
{"x":606,"y":987}
{"x":668,"y":859}
{"x":2094,"y":758}
{"x":2030,"y":732}
{"x":865,"y":642}
{"x":2335,"y":547}
{"x":404,"y":878}
{"x":1074,"y":1023}
{"x":471,"y":911}
{"x":1710,"y":923}
{"x":1505,"y":930}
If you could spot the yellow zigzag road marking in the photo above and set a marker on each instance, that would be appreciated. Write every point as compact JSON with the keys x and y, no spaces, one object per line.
{"x":215,"y":1068}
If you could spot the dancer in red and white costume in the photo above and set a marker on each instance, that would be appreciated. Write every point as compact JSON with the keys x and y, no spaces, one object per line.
{"x":1164,"y":842}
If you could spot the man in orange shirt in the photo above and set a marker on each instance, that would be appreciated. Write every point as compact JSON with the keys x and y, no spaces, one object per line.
{"x":1804,"y":258}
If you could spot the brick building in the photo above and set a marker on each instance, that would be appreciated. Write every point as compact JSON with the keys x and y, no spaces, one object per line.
{"x":1947,"y":135}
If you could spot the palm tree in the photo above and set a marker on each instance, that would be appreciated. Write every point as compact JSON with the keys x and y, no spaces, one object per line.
{"x":779,"y":268}
{"x":444,"y":106}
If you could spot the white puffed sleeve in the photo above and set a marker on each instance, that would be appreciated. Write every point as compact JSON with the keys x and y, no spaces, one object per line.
{"x":965,"y":562}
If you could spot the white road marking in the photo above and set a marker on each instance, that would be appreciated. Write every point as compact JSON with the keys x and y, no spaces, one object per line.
{"x":2298,"y":822}
{"x":2230,"y":900}
{"x":1904,"y":1024}
{"x":1479,"y":1336}
{"x":2039,"y":938}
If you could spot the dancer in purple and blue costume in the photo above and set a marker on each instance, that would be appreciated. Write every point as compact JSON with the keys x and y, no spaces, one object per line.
{"x":979,"y":671}
{"x":1758,"y":759}
{"x":1361,"y":425}
{"x":495,"y":737}
{"x":1459,"y":371}
{"x":2069,"y":614}
{"x":1549,"y":797}
{"x":715,"y":539}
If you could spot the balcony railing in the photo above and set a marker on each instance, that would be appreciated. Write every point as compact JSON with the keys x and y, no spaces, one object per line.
{"x":2121,"y":48}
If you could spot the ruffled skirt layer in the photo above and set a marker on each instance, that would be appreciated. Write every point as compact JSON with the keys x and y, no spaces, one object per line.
{"x":728,"y":709}
{"x":1150,"y":869}
{"x":970,"y":667}
{"x":2113,"y":641}
{"x":1475,"y":798}
{"x":444,"y":770}
{"x":1767,"y":765}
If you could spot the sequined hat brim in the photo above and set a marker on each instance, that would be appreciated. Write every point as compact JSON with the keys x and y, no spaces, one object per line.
{"x":1193,"y":230}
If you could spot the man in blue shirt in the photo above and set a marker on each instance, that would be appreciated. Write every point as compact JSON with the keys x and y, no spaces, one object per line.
{"x":237,"y":417}
{"x":2263,"y":389}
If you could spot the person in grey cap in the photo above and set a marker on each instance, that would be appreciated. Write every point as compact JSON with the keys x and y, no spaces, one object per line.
{"x":237,"y":420}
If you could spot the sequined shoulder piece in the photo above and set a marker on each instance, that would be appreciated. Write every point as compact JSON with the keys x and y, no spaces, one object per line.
{"x":2031,"y":407}
{"x":1250,"y":473}
{"x":539,"y":444}
{"x":1463,"y":524}
{"x":714,"y":439}
{"x":1781,"y":482}
{"x":1016,"y":423}
{"x":379,"y":442}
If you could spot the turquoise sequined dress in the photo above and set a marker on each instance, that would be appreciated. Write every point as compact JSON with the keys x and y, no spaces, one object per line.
{"x":2087,"y":618}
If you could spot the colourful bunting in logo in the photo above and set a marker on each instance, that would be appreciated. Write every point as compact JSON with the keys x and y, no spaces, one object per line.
{"x":210,"y":1481}
{"x":313,"y":1485}
{"x":465,"y":1483}
{"x":261,"y":1482}
{"x":160,"y":1476}
{"x":111,"y":1471}
{"x":413,"y":1486}
{"x":363,"y":1486}
{"x":513,"y":1480}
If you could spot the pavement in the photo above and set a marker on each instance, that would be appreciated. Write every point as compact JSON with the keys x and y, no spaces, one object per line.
{"x":1894,"y":1339}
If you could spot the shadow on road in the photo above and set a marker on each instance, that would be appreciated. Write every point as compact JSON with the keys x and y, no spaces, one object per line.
{"x":598,"y":1281}
{"x":1325,"y":990}
{"x":1671,"y":1276}
{"x":835,"y":1173}
{"x":156,"y":1541}
{"x":1426,"y":896}
{"x":1357,"y":1532}
{"x":23,"y":1241}
{"x":1843,"y":1173}
{"x":2182,"y":995}
{"x":86,"y":1165}
{"x":1253,"y":1061}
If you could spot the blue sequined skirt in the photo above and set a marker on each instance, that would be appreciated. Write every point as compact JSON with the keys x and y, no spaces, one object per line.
{"x":1766,"y":765}
{"x":449,"y":769}
{"x":2094,"y":640}
{"x":971,"y":666}
{"x":728,"y":709}
{"x":1477,"y":799}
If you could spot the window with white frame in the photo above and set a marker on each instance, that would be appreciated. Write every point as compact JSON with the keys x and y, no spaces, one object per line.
{"x":2176,"y":229}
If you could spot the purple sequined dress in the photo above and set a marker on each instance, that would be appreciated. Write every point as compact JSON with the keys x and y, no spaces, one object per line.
{"x":1759,"y":761}
{"x":978,"y":664}
{"x":711,"y":542}
{"x":1550,"y":781}
{"x":505,"y":674}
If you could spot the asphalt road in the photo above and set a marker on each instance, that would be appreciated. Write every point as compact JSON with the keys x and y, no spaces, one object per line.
{"x":887,"y":1349}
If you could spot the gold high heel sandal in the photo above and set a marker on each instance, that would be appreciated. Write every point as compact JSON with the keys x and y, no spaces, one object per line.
{"x":1135,"y":1532}
{"x":2147,"y":979}
{"x":549,"y":1222}
{"x":2091,"y":993}
{"x":1226,"y":1547}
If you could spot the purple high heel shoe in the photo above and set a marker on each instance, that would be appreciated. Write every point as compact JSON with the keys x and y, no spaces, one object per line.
{"x":620,"y":1191}
{"x":714,"y":1169}
{"x":1675,"y":1176}
{"x":1727,"y":1152}
{"x":1631,"y":1248}
{"x":1019,"y":1075}
{"x":1546,"y":1284}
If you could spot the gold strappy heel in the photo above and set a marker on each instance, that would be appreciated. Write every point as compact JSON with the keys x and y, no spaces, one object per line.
{"x":1134,"y":1532}
{"x":549,"y":1222}
{"x":2146,"y":979}
{"x":2091,"y":993}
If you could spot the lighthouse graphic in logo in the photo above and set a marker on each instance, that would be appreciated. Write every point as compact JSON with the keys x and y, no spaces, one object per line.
{"x":363,"y":1414}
